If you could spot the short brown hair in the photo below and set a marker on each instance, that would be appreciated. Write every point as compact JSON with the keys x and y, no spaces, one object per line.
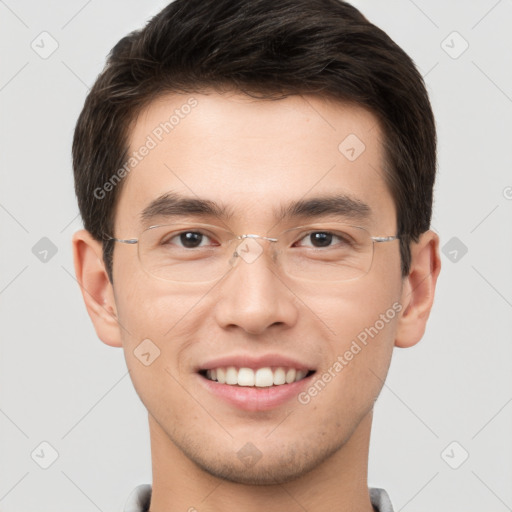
{"x":266,"y":49}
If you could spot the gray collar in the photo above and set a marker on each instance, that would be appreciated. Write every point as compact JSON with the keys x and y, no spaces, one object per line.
{"x":139,"y":499}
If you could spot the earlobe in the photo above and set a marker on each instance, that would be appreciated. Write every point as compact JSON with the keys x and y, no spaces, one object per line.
{"x":419,"y":289}
{"x":96,"y":287}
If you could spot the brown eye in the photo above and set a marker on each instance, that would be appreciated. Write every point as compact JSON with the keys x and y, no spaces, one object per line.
{"x":319,"y":239}
{"x":187,"y":239}
{"x":191,"y":239}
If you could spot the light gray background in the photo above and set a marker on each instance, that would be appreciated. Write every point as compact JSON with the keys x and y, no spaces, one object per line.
{"x":60,"y":384}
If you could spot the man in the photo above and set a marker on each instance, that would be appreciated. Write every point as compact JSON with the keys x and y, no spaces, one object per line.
{"x":255,"y":180}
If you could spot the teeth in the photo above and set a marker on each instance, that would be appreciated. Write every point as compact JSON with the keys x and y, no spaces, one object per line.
{"x":279,"y":376}
{"x":290,"y":375}
{"x":263,"y":378}
{"x":245,"y":377}
{"x":221,"y":375}
{"x":300,"y":374}
{"x":231,"y":375}
{"x":260,"y":378}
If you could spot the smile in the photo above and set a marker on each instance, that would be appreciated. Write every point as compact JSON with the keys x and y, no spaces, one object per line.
{"x":261,"y":378}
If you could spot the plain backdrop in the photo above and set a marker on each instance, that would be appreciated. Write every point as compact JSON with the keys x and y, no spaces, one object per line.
{"x":442,"y":430}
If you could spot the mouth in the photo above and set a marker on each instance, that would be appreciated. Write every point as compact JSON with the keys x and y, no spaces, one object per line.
{"x":264,"y":377}
{"x":255,"y":383}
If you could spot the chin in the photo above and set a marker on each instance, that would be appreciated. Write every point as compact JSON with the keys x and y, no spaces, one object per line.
{"x":289,"y":464}
{"x":269,"y":474}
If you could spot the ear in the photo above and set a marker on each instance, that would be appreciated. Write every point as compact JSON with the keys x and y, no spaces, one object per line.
{"x":96,"y":287}
{"x":418,"y":289}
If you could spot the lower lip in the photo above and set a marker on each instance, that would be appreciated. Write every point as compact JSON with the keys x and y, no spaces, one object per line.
{"x":253,"y":398}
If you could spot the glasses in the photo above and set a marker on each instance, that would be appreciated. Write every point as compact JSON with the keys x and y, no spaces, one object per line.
{"x":194,"y":252}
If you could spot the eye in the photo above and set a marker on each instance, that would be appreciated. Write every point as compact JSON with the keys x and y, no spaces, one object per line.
{"x":319,"y":239}
{"x":187,"y":239}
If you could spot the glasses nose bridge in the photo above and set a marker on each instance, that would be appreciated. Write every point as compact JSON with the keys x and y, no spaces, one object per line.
{"x":249,"y":235}
{"x":251,"y":253}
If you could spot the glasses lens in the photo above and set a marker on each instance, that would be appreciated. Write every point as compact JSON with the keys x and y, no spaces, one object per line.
{"x":333,"y":252}
{"x":185,"y":252}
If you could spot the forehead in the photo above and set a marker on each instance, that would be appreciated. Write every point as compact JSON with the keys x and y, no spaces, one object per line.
{"x":253,"y":156}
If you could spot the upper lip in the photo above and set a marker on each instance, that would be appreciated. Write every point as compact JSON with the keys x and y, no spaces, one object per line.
{"x":248,"y":361}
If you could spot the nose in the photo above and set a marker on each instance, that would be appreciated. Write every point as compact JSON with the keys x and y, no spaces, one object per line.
{"x":253,"y":296}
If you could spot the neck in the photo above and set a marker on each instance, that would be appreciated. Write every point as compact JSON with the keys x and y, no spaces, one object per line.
{"x":337,"y":484}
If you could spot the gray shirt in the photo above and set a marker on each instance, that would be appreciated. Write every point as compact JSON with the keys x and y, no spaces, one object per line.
{"x":139,"y":499}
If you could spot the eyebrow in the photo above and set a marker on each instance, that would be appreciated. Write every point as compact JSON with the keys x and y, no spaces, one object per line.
{"x":333,"y":205}
{"x":172,"y":204}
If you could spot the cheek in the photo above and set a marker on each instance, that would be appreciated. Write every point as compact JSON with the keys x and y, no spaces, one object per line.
{"x":155,"y":333}
{"x":147,"y":306}
{"x":344,"y":310}
{"x":163,"y":318}
{"x":355,"y":365}
{"x":360,"y":320}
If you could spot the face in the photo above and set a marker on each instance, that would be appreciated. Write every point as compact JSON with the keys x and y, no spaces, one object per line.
{"x":252,"y":158}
